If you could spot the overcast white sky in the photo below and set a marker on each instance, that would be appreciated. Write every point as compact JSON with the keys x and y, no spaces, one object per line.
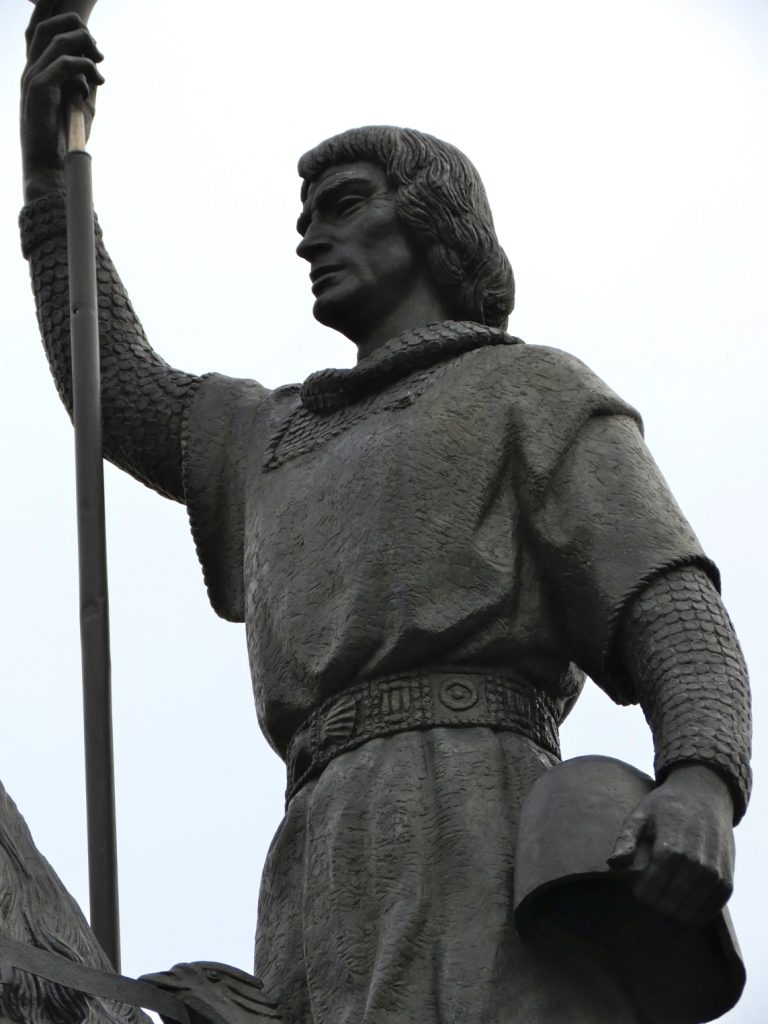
{"x":624,"y":150}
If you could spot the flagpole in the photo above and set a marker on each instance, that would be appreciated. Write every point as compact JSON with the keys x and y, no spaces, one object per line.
{"x":91,"y":532}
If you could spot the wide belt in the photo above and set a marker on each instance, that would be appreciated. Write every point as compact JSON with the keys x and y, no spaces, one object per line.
{"x":392,"y":704}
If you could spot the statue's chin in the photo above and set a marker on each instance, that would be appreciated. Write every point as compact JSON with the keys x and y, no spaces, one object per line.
{"x":336,"y":315}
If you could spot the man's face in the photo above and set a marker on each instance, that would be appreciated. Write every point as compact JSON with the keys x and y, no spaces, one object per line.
{"x":362,"y":263}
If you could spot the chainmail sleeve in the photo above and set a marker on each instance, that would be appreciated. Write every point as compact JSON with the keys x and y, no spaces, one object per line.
{"x":679,"y":649}
{"x":143,"y":398}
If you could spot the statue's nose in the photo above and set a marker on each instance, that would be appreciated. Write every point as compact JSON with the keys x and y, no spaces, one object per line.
{"x":314,"y":243}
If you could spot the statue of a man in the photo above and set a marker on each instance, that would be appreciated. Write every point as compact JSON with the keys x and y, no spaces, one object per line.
{"x":429,"y":551}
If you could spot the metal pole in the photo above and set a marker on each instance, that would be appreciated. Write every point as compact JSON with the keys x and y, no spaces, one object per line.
{"x":91,"y":533}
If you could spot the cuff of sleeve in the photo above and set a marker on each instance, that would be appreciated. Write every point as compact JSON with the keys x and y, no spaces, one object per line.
{"x":713,"y":751}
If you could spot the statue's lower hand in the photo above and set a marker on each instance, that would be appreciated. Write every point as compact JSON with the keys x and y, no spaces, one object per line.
{"x":681,"y":836}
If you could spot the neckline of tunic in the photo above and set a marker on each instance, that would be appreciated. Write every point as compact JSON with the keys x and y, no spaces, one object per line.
{"x":328,"y":390}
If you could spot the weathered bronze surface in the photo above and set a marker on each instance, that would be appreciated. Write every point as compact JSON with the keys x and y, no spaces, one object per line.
{"x":429,"y":552}
{"x":43,"y":936}
{"x":567,"y":892}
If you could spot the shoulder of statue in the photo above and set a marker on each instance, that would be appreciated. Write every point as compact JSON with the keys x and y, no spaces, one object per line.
{"x":539,"y":376}
{"x":232,"y":395}
{"x":543,"y":398}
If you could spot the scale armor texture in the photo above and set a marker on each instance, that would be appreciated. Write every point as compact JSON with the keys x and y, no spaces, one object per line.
{"x":688,"y":669}
{"x":690,"y":678}
{"x":143,"y":397}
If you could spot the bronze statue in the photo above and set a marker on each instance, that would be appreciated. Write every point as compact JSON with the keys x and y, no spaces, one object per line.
{"x":429,"y":551}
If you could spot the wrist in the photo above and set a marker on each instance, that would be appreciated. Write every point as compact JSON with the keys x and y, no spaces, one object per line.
{"x":39,"y":183}
{"x":701,"y":778}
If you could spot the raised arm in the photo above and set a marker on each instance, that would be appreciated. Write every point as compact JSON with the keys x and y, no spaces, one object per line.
{"x":143,"y":398}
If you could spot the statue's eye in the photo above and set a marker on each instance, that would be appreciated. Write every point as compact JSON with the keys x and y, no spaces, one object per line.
{"x":346,"y":204}
{"x":212,"y":975}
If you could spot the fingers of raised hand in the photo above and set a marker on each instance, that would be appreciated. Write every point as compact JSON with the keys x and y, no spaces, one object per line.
{"x":63,"y":70}
{"x":44,"y":9}
{"x":42,"y":31}
{"x":69,"y":37}
{"x":57,"y":44}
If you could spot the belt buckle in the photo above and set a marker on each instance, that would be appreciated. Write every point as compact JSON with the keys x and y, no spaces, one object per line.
{"x":459,"y":694}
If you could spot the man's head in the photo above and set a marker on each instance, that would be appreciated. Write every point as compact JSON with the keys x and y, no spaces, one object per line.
{"x":440,"y":203}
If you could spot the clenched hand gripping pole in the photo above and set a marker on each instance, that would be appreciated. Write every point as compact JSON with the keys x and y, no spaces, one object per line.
{"x":91,"y":530}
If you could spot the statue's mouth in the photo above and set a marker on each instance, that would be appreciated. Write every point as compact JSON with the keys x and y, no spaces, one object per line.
{"x":321,"y":276}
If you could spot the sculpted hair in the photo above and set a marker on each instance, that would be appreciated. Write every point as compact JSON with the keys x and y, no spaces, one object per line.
{"x":442,"y":202}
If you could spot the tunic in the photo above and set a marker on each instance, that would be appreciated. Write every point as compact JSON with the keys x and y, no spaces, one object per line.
{"x":491,"y":510}
{"x":455,"y":503}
